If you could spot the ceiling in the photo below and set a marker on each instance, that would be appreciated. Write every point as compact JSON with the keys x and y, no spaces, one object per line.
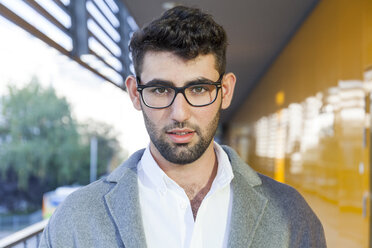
{"x":257,"y":30}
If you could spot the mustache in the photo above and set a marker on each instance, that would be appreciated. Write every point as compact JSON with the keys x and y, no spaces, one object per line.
{"x":184,"y":124}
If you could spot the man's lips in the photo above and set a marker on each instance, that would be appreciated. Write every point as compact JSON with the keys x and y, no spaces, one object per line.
{"x":180,"y":136}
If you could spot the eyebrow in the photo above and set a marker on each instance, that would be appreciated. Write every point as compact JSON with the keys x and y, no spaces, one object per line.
{"x":162,"y":82}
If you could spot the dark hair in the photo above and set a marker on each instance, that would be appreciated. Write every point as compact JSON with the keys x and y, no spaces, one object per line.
{"x":185,"y":31}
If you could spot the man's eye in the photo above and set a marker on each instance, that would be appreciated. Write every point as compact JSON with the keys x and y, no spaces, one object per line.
{"x":198,"y":89}
{"x":159,"y":90}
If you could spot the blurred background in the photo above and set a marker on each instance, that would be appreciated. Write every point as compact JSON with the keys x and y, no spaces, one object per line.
{"x":301,"y":112}
{"x":56,"y":118}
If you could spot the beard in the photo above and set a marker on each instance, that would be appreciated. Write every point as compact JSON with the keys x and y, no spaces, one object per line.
{"x":181,"y":153}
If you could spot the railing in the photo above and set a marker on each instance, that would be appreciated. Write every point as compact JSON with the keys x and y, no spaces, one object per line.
{"x":29,"y":237}
{"x":15,"y":222}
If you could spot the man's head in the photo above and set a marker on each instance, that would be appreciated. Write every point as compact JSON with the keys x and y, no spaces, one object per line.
{"x":180,"y":84}
{"x":186,"y":32}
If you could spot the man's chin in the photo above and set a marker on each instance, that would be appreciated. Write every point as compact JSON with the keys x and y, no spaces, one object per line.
{"x":181,"y":158}
{"x":180,"y":153}
{"x":182,"y":144}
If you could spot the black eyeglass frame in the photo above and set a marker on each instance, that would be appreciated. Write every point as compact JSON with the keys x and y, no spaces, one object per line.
{"x":141,"y":87}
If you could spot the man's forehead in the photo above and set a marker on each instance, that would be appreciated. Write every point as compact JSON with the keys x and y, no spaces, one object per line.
{"x":171,"y":56}
{"x":167,"y":64}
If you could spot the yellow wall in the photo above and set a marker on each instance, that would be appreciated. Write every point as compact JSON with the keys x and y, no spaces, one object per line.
{"x":330,"y":46}
{"x":334,"y":44}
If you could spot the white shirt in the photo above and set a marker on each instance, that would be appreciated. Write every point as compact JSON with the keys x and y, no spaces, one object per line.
{"x":166,"y":211}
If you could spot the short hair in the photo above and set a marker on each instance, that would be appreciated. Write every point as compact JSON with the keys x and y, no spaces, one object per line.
{"x":185,"y":31}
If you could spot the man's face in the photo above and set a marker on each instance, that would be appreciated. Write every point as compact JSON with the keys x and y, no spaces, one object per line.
{"x":181,"y":142}
{"x":181,"y":133}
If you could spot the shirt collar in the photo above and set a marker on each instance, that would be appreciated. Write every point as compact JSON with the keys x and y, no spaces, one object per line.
{"x":224,"y":171}
{"x":150,"y":171}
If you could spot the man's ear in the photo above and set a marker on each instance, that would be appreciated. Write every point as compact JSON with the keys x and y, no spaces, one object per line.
{"x":131,"y":84}
{"x":228,"y":86}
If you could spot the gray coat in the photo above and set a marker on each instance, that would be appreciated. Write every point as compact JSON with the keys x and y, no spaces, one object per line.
{"x":106,"y":213}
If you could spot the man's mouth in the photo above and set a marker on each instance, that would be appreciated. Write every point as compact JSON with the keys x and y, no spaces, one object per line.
{"x":180,"y":136}
{"x":179,"y":133}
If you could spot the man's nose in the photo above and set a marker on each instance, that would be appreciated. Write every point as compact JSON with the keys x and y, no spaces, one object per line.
{"x":180,"y":108}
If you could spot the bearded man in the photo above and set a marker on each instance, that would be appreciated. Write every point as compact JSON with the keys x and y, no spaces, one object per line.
{"x":184,"y":189}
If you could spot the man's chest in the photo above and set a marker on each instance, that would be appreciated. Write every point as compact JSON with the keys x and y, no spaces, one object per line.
{"x":168,"y":215}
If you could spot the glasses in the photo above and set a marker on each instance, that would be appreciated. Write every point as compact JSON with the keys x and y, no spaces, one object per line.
{"x":160,"y":95}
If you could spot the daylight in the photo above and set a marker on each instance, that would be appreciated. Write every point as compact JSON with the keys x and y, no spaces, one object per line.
{"x":23,"y":56}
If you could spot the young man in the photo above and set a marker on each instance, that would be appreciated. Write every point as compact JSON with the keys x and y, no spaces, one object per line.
{"x":183,"y":190}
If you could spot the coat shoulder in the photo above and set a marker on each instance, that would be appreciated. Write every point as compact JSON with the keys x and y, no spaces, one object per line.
{"x":83,"y":216}
{"x":280,"y":193}
{"x":75,"y":213}
{"x":85,"y":198}
{"x":287,"y":207}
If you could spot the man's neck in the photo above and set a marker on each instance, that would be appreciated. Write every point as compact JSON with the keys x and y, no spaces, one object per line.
{"x":197,"y":194}
{"x":195,"y":178}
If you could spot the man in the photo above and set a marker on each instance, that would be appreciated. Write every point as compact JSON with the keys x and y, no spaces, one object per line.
{"x":183,"y":190}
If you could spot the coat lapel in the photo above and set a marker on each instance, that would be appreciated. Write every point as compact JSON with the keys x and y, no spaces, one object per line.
{"x":123,"y":203}
{"x":248,"y":204}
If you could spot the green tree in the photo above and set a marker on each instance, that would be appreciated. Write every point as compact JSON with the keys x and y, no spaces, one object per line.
{"x":41,"y":146}
{"x":109,"y":151}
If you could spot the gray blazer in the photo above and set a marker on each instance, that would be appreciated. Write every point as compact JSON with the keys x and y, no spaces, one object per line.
{"x":106,"y":213}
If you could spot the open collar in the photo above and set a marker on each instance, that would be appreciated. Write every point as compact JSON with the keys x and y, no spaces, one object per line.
{"x":248,"y":203}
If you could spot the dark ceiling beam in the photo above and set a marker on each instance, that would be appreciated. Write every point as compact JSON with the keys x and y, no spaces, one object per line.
{"x":79,"y":28}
